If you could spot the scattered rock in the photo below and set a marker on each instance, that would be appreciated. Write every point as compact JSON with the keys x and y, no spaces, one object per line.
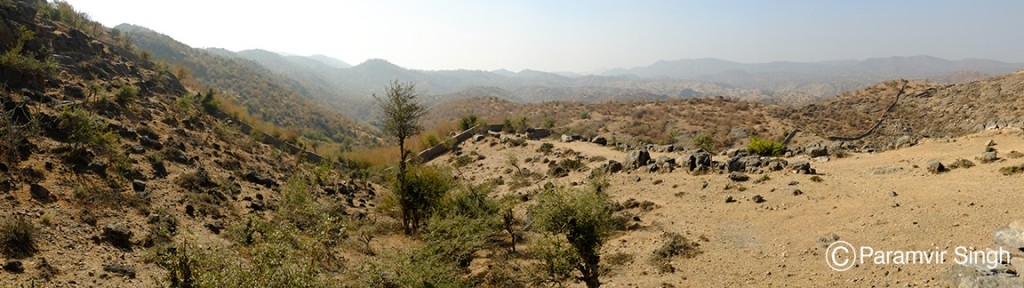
{"x":613,"y":166}
{"x":935,"y":166}
{"x":566,"y":138}
{"x":653,"y":167}
{"x":794,"y":183}
{"x":41,"y":194}
{"x":151,"y":143}
{"x":989,"y":157}
{"x":730,"y":199}
{"x":120,"y":269}
{"x":478,"y":137}
{"x":159,"y":169}
{"x":736,"y":152}
{"x":14,"y":266}
{"x":885,"y":170}
{"x":118,"y":235}
{"x":990,"y":143}
{"x":802,"y":167}
{"x":757,"y":199}
{"x":139,"y":186}
{"x":818,"y":152}
{"x":797,"y":192}
{"x":738,"y":176}
{"x":558,"y":172}
{"x":216,"y":228}
{"x":893,"y":193}
{"x":905,"y":141}
{"x":253,"y":177}
{"x":599,"y":140}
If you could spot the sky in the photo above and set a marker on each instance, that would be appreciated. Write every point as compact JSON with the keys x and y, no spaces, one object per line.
{"x":582,"y":36}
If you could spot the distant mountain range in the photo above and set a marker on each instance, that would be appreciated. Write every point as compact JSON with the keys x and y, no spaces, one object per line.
{"x":808,"y":78}
{"x":348,"y":88}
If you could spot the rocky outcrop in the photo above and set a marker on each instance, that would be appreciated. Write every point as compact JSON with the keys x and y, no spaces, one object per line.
{"x":636,"y":159}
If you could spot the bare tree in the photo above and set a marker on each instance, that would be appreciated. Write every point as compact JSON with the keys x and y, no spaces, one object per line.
{"x":399,"y":118}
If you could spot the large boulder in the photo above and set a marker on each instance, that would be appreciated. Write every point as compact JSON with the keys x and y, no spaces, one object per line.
{"x":776,"y":164}
{"x":736,"y":163}
{"x":636,"y":159}
{"x":802,"y":167}
{"x":118,"y":235}
{"x":612,"y":167}
{"x":697,"y":161}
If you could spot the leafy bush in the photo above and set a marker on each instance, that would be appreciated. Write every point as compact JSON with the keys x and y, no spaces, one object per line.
{"x":17,"y":238}
{"x":430,"y":140}
{"x":457,"y":237}
{"x":584,"y":115}
{"x":549,"y":123}
{"x":584,"y":218}
{"x":425,"y":187}
{"x":765,"y":147}
{"x":26,"y":62}
{"x":416,"y":268}
{"x":469,"y":121}
{"x":571,"y":164}
{"x":127,"y":95}
{"x":557,"y":260}
{"x":673,"y":244}
{"x":85,"y":130}
{"x":704,"y":141}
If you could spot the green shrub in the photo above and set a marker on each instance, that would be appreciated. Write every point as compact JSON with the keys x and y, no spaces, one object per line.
{"x":127,"y":95}
{"x":457,"y":237}
{"x":431,"y":140}
{"x":584,"y":218}
{"x":17,"y":238}
{"x":415,"y":268}
{"x":469,"y":121}
{"x":704,"y":141}
{"x":571,"y":164}
{"x":549,"y":123}
{"x":557,"y":261}
{"x":26,"y":62}
{"x":425,"y":187}
{"x":85,"y":130}
{"x":765,"y":147}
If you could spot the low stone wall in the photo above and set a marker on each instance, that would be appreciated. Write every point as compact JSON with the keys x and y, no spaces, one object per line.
{"x":433,"y":152}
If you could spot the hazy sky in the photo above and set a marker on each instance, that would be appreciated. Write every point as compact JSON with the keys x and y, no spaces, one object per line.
{"x":582,"y":36}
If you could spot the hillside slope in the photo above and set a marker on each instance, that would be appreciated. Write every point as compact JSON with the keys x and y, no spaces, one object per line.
{"x":109,"y":177}
{"x":264,"y":94}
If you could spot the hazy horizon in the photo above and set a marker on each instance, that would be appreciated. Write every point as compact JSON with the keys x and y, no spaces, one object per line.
{"x":581,"y":37}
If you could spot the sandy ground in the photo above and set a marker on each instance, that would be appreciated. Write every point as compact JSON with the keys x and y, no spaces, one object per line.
{"x":776,"y":243}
